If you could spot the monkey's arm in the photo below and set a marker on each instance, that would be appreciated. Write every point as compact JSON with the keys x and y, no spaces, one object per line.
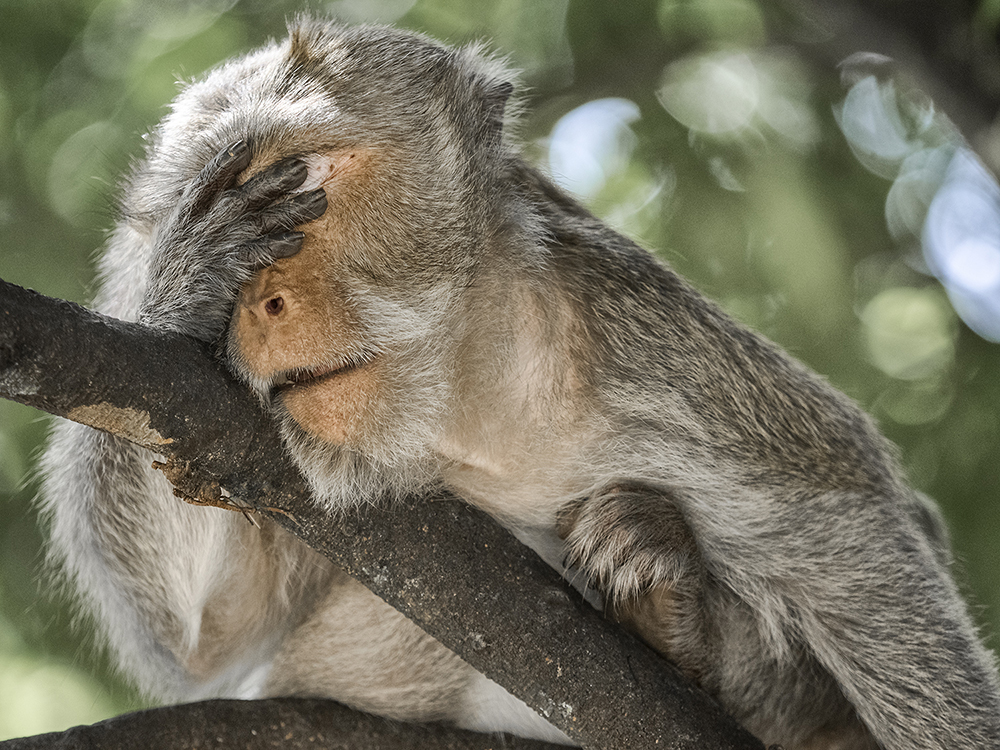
{"x":193,"y":600}
{"x":837,"y":609}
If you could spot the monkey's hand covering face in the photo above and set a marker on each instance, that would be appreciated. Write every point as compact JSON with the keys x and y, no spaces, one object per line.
{"x":237,"y":229}
{"x":454,"y":320}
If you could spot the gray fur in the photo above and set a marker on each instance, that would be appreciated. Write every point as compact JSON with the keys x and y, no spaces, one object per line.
{"x":741,"y":514}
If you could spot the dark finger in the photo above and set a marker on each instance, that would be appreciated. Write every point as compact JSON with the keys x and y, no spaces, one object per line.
{"x":216,"y":176}
{"x":297,"y":210}
{"x":263,"y":251}
{"x":285,"y":244}
{"x":274,"y":182}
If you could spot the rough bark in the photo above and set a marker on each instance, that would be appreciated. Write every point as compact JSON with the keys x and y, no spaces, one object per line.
{"x":285,"y":723}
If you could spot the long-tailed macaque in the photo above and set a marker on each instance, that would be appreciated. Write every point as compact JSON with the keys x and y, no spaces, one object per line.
{"x":344,"y":214}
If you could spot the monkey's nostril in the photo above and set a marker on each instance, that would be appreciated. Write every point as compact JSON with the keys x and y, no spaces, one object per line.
{"x":274,"y":306}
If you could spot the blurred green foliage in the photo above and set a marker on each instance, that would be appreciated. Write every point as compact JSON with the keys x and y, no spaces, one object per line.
{"x":720,"y":152}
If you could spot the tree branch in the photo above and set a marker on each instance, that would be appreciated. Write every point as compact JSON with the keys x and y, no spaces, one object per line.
{"x":445,"y":565}
{"x":285,"y":723}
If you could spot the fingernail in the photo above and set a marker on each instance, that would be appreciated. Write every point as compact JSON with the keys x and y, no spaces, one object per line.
{"x":286,"y":244}
{"x":238,"y":152}
{"x":316,"y":199}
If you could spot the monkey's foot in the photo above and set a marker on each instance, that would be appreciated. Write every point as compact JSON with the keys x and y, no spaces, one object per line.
{"x":629,"y":538}
{"x":636,"y":548}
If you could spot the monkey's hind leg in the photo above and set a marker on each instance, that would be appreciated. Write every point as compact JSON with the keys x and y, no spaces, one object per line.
{"x":633,"y":543}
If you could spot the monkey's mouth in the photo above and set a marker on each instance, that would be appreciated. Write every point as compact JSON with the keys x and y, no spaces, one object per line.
{"x":306,"y":377}
{"x":303,"y":377}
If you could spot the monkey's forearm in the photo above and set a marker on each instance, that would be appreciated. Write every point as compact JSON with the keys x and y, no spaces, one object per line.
{"x":196,"y":623}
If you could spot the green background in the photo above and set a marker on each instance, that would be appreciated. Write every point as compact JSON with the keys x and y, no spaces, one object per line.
{"x":718,"y":151}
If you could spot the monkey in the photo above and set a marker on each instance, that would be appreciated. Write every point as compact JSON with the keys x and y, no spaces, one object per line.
{"x":197,"y":605}
{"x":347,"y":217}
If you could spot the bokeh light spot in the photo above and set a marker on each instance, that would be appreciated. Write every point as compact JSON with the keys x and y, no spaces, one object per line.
{"x":910,"y":333}
{"x":713,"y":94}
{"x":591,"y":143}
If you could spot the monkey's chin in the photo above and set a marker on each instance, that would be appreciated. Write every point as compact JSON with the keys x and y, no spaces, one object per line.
{"x":330,"y":402}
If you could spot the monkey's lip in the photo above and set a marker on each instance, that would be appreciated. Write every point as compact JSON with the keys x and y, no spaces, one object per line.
{"x":305,"y":377}
{"x":301,"y":377}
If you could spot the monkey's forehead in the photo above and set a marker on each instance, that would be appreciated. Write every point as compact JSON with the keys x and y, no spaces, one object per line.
{"x":250,"y":98}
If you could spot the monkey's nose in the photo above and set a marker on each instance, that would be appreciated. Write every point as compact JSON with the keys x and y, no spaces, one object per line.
{"x":274,"y":306}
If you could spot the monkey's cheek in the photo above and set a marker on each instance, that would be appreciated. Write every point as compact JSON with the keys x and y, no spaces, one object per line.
{"x":333,"y":409}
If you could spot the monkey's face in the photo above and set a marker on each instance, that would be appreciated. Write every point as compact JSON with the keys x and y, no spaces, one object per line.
{"x":294,"y":334}
{"x":352,"y":336}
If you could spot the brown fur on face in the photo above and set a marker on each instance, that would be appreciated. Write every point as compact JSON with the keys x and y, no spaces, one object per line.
{"x":293,"y":322}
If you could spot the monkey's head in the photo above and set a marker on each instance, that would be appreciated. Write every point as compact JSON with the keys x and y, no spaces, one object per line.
{"x":353,"y":336}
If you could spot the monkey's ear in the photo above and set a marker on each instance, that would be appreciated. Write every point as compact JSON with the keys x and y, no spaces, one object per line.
{"x":493,"y":96}
{"x":495,"y":99}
